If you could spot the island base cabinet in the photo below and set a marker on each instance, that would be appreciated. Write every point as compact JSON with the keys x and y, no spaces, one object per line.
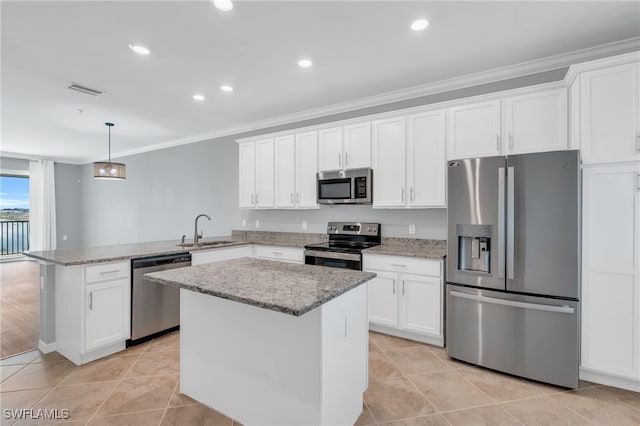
{"x":105,"y":313}
{"x":259,"y":366}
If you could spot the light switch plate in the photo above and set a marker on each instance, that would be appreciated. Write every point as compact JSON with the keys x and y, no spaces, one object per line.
{"x":244,"y":223}
{"x":304,"y":225}
{"x":64,"y":238}
{"x":257,"y":223}
{"x":412,"y":229}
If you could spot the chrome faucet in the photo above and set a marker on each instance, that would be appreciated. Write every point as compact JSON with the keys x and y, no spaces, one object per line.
{"x":196,"y":237}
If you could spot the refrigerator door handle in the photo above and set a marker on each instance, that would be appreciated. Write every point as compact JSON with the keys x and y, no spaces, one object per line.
{"x":514,"y":303}
{"x":501,"y":223}
{"x":510,"y":222}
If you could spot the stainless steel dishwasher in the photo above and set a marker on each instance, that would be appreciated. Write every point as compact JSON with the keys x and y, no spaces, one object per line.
{"x":155,"y":308}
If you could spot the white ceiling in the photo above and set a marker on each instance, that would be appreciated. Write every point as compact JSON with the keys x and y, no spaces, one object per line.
{"x":360,"y":49}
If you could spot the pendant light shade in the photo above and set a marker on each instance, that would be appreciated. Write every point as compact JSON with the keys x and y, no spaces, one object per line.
{"x":109,"y":170}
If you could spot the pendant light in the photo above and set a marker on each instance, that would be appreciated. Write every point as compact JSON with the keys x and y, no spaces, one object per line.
{"x":109,"y":170}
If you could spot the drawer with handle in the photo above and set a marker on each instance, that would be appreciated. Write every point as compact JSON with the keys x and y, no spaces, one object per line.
{"x":107,"y":271}
{"x":410,"y":265}
{"x":286,"y":254}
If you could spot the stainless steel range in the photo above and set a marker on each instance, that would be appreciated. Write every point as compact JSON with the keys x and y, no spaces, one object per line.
{"x":345,"y":245}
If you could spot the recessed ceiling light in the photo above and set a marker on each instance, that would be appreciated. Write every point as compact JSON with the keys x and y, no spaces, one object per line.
{"x":224,"y":5}
{"x":140,"y":50}
{"x":419,"y":24}
{"x":198,"y":97}
{"x":305,"y":63}
{"x":226,"y":88}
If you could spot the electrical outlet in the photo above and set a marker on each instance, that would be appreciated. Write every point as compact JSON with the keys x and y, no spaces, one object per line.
{"x":304,"y":225}
{"x":64,"y":238}
{"x":412,"y":229}
{"x":257,"y":223}
{"x":244,"y":223}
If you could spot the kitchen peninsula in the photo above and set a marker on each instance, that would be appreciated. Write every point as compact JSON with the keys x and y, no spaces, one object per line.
{"x":276,"y":343}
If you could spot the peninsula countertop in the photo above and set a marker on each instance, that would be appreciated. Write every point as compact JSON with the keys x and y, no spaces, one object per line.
{"x":83,"y":256}
{"x":283,"y":287}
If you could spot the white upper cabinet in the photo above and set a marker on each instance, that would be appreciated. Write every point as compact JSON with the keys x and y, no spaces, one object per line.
{"x":610,"y":114}
{"x":389,"y":156}
{"x":426,"y":159}
{"x":535,"y":122}
{"x":247,"y":174}
{"x":347,"y":147}
{"x":473,"y":130}
{"x":306,"y":169}
{"x":330,"y":149}
{"x":264,"y":197}
{"x":285,"y":171}
{"x":357,"y":146}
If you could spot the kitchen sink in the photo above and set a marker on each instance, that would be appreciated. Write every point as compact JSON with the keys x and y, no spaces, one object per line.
{"x":205,"y":243}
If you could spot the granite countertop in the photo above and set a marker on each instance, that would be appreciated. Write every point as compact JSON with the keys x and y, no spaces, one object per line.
{"x":411,"y":247}
{"x":82,"y":256}
{"x":284,"y":287}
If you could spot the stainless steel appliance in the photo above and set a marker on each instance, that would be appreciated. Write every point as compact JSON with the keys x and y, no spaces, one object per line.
{"x":155,"y":308}
{"x":345,"y":245}
{"x":513,"y":264}
{"x":345,"y":187}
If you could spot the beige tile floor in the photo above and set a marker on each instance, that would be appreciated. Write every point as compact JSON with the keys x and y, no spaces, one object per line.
{"x":410,"y":384}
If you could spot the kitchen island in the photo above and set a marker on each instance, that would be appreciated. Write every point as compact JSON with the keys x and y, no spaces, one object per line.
{"x":273,"y":343}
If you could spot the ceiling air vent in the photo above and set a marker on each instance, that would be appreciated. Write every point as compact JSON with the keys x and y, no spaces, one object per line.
{"x":88,"y":91}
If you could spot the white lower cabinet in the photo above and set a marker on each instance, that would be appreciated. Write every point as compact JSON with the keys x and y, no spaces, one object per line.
{"x":283,"y":254}
{"x":92,"y":310}
{"x":106,"y":318}
{"x":223,"y":253}
{"x":611,"y":275}
{"x":404,"y":300}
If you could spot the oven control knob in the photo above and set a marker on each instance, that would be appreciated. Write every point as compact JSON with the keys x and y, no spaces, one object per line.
{"x":369,"y":229}
{"x":375,"y":229}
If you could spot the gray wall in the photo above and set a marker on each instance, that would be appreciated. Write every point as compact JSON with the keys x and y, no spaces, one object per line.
{"x":166,"y":189}
{"x":69,"y":207}
{"x":162,"y":194}
{"x":11,"y":164}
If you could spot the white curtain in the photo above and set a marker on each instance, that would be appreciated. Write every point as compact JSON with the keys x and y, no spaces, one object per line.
{"x":42,"y":206}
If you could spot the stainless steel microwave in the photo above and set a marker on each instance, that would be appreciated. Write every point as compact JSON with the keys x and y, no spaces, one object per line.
{"x":345,"y":187}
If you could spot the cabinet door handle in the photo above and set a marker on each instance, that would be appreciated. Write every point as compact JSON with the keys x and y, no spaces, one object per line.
{"x":638,"y":142}
{"x":510,"y":142}
{"x":110,"y":272}
{"x":252,"y":199}
{"x":394,"y":286}
{"x":403,"y":287}
{"x":91,"y":301}
{"x":411,"y":192}
{"x":339,"y":160}
{"x":398,"y":265}
{"x":346,"y":158}
{"x":638,"y":182}
{"x":498,"y":142}
{"x":277,"y":253}
{"x":297,"y":197}
{"x":402,"y":195}
{"x":292,"y":198}
{"x":256,"y":198}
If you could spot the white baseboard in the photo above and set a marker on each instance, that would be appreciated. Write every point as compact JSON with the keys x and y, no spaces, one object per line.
{"x":609,"y":379}
{"x":432,"y":340}
{"x":45,"y":348}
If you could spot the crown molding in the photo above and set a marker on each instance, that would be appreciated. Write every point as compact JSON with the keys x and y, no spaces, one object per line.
{"x":574,"y":70}
{"x":484,"y":77}
{"x":22,"y":156}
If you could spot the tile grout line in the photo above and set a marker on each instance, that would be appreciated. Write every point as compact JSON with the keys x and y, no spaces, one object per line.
{"x":116,"y":386}
{"x":403,"y":375}
{"x":601,"y":388}
{"x":574,"y":411}
{"x":166,"y":408}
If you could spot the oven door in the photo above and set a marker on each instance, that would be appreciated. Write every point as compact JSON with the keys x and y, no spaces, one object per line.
{"x":333,"y":259}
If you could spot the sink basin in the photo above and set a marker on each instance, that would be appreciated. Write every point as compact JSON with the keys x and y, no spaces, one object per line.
{"x":205,"y":243}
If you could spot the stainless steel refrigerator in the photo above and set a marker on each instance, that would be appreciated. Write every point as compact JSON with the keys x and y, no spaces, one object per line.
{"x":513,"y":264}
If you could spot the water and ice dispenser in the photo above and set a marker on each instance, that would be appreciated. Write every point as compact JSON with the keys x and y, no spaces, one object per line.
{"x":474,"y":248}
